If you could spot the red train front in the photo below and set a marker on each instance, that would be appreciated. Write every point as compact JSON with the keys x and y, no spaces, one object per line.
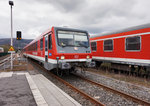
{"x":61,"y":48}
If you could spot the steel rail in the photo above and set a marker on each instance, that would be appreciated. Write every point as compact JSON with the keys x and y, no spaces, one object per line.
{"x":96,"y":102}
{"x":135,"y":99}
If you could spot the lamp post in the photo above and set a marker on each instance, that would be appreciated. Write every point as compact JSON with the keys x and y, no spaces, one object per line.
{"x":11,"y":3}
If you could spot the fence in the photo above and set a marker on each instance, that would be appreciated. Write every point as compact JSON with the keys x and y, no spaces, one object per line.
{"x":18,"y":63}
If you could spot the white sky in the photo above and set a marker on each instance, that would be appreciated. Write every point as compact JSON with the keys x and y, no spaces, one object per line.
{"x":33,"y":17}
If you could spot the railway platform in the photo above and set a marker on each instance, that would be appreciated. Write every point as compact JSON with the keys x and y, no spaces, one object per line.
{"x":19,"y":88}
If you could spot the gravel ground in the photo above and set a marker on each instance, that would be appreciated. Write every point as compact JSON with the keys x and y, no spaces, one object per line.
{"x":135,"y":90}
{"x":73,"y":94}
{"x":106,"y":97}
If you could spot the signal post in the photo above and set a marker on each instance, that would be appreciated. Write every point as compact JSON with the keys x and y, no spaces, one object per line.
{"x":11,"y":3}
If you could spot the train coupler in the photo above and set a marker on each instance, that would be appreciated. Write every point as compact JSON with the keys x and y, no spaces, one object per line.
{"x":64,"y":65}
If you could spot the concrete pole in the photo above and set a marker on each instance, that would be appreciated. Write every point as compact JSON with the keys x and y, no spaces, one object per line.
{"x":11,"y":39}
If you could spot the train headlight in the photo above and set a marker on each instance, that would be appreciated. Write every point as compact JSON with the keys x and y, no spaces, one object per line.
{"x":87,"y":56}
{"x":62,"y":57}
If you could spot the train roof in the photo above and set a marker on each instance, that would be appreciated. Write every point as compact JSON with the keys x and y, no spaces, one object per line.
{"x":73,"y":29}
{"x":123,"y":30}
{"x":39,"y":37}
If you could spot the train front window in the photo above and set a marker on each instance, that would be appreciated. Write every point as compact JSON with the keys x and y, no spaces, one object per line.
{"x":81,"y":39}
{"x":65,"y":38}
{"x":70,"y":38}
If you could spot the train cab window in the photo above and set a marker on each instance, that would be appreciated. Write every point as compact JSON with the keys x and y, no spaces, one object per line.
{"x":49,"y":42}
{"x":93,"y":46}
{"x":41,"y":44}
{"x":133,"y":43}
{"x":73,"y":38}
{"x":108,"y":45}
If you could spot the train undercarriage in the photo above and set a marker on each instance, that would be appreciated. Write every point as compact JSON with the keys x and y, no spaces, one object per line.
{"x":129,"y":69}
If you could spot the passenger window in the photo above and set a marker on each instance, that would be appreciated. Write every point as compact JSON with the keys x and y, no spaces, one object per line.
{"x":49,"y":42}
{"x":108,"y":45}
{"x":93,"y":46}
{"x":41,"y":44}
{"x":133,"y":43}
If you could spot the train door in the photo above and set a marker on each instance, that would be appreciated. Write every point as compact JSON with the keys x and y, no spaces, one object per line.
{"x":49,"y":45}
{"x":46,"y":48}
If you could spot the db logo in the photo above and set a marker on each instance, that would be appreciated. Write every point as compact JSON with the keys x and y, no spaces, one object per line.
{"x":76,"y":56}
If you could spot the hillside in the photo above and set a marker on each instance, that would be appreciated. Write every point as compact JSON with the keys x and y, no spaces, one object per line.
{"x":16,"y":43}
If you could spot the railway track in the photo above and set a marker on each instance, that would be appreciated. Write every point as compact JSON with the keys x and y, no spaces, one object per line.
{"x":135,"y":99}
{"x":93,"y":100}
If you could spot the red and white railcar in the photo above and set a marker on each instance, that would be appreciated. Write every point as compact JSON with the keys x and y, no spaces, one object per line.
{"x":129,"y":46}
{"x":61,"y":48}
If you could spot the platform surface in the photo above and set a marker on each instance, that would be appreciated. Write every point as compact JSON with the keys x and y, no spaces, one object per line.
{"x":15,"y":90}
{"x":23,"y":89}
{"x":53,"y":95}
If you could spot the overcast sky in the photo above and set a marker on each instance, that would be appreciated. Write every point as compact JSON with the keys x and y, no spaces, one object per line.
{"x":33,"y":17}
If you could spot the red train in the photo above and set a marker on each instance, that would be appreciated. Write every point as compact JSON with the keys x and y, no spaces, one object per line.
{"x":61,"y":49}
{"x":125,"y":49}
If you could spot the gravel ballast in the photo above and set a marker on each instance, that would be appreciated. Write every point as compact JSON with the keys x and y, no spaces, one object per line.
{"x":106,"y":97}
{"x":132,"y":89}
